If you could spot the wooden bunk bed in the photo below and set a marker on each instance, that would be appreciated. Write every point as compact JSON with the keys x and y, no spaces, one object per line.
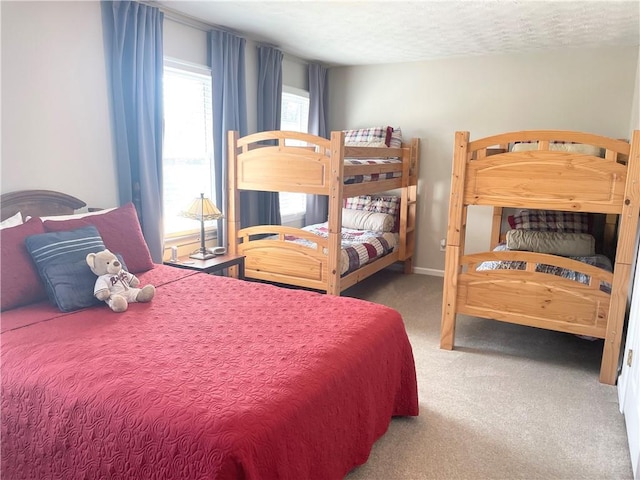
{"x":486,"y":172}
{"x":317,"y":168}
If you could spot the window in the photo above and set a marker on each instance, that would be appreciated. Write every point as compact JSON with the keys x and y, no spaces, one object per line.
{"x":295,"y":110}
{"x":294,"y":117}
{"x":188,"y":143}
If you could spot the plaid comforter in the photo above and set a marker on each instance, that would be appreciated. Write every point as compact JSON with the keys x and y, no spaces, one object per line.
{"x":599,"y":261}
{"x":359,"y":247}
{"x":373,"y":177}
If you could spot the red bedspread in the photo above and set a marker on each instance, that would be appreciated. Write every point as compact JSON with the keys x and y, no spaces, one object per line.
{"x":215,"y":378}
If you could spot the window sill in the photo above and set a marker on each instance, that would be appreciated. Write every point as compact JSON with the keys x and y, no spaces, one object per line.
{"x":190,"y":236}
{"x":293,"y":218}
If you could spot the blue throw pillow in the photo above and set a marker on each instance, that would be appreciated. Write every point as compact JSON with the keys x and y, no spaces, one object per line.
{"x":60,"y":258}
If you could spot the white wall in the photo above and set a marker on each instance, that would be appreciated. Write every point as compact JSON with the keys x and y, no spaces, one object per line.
{"x":184,"y":42}
{"x":588,"y":90}
{"x":635,"y":104}
{"x":56,"y":131}
{"x":295,"y":72}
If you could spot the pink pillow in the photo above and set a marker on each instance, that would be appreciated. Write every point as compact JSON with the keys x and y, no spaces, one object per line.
{"x":120,"y":231}
{"x":21,"y":283}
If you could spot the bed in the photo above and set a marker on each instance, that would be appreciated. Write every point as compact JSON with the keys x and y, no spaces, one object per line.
{"x":556,"y":171}
{"x":302,"y":163}
{"x":215,"y":378}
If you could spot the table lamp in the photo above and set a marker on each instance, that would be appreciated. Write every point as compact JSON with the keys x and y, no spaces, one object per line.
{"x":202,"y":209}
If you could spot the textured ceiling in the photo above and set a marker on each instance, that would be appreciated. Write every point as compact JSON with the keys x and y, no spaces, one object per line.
{"x":371,"y":32}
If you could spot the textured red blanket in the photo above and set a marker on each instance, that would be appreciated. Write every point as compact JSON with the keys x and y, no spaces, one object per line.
{"x":215,"y":378}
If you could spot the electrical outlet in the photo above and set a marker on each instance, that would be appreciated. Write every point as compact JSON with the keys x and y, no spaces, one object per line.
{"x":443,"y":245}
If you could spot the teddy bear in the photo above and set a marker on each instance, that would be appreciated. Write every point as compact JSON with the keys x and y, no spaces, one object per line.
{"x":114,"y":285}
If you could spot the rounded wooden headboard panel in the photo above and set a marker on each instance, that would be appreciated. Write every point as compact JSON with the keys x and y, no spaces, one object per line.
{"x":38,"y":203}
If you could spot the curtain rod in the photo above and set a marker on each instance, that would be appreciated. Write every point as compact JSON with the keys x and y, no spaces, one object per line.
{"x":189,"y":22}
{"x":193,"y":22}
{"x":184,"y":19}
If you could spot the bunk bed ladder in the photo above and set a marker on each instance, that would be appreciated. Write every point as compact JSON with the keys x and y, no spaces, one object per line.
{"x":455,"y":241}
{"x":624,"y":257}
{"x":233,"y":198}
{"x":408,"y":202}
{"x":335,"y":212}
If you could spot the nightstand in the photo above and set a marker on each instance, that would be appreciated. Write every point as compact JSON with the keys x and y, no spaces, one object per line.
{"x":212,"y":265}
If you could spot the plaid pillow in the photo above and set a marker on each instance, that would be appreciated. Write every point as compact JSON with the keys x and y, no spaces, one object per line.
{"x":551,"y":221}
{"x":380,"y":203}
{"x":371,"y":137}
{"x":396,"y":138}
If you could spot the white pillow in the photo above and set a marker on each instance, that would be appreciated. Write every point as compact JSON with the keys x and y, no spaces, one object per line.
{"x":12,"y":221}
{"x":365,"y":220}
{"x":366,"y":143}
{"x":555,"y":243}
{"x":561,"y":147}
{"x":76,"y":215}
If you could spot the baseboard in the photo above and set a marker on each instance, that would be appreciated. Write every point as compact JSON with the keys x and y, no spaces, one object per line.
{"x":398,"y":266}
{"x":428,"y":271}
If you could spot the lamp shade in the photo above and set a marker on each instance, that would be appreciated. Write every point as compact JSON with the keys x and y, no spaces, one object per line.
{"x":202,"y":209}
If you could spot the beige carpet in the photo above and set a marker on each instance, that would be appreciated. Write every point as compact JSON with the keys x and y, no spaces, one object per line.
{"x":509,"y":402}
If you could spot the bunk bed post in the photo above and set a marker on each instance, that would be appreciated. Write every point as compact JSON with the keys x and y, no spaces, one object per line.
{"x":408,"y":201}
{"x":609,"y":234}
{"x":622,"y":274}
{"x":412,"y":204}
{"x":455,"y":240}
{"x":404,"y":206}
{"x":233,"y":196}
{"x":496,"y":227}
{"x":336,"y":167}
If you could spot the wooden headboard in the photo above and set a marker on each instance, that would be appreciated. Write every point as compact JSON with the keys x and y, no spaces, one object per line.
{"x":595,"y":184}
{"x":38,"y":203}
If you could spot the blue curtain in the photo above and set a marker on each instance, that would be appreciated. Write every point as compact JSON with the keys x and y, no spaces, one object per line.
{"x":134,"y":43}
{"x":269,"y":88}
{"x":226,"y":53}
{"x":317,"y":205}
{"x":263,"y":208}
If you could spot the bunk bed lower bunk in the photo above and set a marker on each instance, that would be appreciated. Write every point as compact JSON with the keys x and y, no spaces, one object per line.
{"x":538,"y":282}
{"x":326,"y":257}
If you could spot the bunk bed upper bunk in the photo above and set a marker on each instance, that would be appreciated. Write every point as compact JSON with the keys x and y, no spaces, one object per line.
{"x":547,"y":175}
{"x":284,"y":161}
